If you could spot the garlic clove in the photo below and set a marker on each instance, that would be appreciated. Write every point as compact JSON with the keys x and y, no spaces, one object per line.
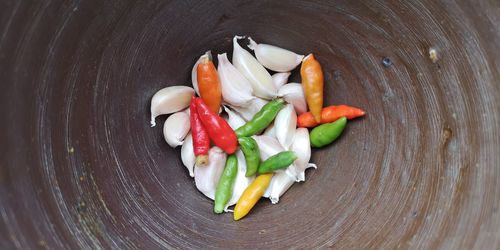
{"x":270,"y":131}
{"x":176,"y":128}
{"x":187,"y":154}
{"x":207,"y":177}
{"x":282,"y":181}
{"x":241,"y":182}
{"x":302,"y":148}
{"x":294,"y":94}
{"x":267,"y":193}
{"x":280,"y":79}
{"x":251,"y":109}
{"x":234,"y":120}
{"x":268,"y":146}
{"x":285,"y":125}
{"x":275,"y":58}
{"x":257,"y":75}
{"x":194,"y":71}
{"x":187,"y":111}
{"x":169,"y":100}
{"x":236,"y":89}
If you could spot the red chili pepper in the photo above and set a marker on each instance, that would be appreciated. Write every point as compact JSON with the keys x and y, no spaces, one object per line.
{"x":329,"y":114}
{"x":201,"y":141}
{"x":218,"y":129}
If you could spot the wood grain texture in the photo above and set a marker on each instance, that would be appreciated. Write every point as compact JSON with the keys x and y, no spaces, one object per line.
{"x":81,"y":168}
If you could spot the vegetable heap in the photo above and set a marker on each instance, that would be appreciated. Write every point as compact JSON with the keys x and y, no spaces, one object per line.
{"x":241,"y":137}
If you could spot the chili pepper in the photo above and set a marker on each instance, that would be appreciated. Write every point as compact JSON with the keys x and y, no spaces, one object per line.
{"x":219,"y":131}
{"x":201,"y":141}
{"x":252,"y":154}
{"x":225,"y":186}
{"x":325,"y":134}
{"x":312,"y":82}
{"x":261,"y":119}
{"x":278,"y":161}
{"x":209,"y":84}
{"x":329,"y":114}
{"x":251,"y":195}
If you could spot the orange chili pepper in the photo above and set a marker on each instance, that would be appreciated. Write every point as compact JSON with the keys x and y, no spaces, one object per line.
{"x":329,"y":114}
{"x":209,"y":84}
{"x":312,"y":82}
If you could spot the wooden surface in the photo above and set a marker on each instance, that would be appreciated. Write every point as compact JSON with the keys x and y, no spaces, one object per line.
{"x":81,"y":168}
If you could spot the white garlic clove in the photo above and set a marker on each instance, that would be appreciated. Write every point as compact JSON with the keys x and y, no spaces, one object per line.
{"x":236,"y":89}
{"x":187,"y":111}
{"x":294,"y":94}
{"x":257,"y":75}
{"x":282,"y":181}
{"x":169,"y":100}
{"x":302,"y":148}
{"x":267,"y":193}
{"x":187,"y":154}
{"x":176,"y":128}
{"x":234,"y":120}
{"x":207,"y":177}
{"x":268,"y":146}
{"x":241,"y":182}
{"x":280,"y":79}
{"x":194,"y":71}
{"x":270,"y":131}
{"x":249,"y":111}
{"x":285,"y":125}
{"x":275,"y":58}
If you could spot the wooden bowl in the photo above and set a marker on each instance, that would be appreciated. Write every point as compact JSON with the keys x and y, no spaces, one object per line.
{"x":81,"y":167}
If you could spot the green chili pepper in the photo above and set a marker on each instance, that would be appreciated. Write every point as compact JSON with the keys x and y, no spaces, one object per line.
{"x":225,"y":186}
{"x":252,"y":154}
{"x":262,"y":119}
{"x":325,"y":134}
{"x":278,"y":161}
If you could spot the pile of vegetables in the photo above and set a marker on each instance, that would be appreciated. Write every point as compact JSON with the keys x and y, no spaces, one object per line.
{"x":244,"y":132}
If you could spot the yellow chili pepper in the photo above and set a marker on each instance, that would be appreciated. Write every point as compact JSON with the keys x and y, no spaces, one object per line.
{"x":312,"y":83}
{"x":251,"y":195}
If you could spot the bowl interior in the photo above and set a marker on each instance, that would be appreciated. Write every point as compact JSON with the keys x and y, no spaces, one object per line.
{"x":84,"y":169}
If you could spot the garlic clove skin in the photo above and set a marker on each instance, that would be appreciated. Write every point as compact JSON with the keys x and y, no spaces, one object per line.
{"x":285,"y":125}
{"x":176,"y":128}
{"x":207,"y":177}
{"x":194,"y":71}
{"x":270,"y":131}
{"x":187,"y":154}
{"x":236,"y":89}
{"x":257,"y":75}
{"x":294,"y":94}
{"x":275,"y":58}
{"x":169,"y":100}
{"x":302,"y":175}
{"x":280,"y":79}
{"x":241,"y":182}
{"x":234,"y":120}
{"x":249,"y":111}
{"x":268,"y":146}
